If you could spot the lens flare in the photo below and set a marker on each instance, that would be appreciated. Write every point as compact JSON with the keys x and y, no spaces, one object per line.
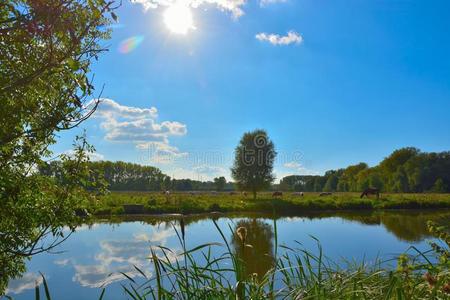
{"x":130,"y":44}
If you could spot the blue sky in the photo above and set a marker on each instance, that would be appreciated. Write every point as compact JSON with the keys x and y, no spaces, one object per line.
{"x":353,"y":81}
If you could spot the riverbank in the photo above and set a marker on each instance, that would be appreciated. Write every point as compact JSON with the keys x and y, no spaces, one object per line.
{"x":120,"y":203}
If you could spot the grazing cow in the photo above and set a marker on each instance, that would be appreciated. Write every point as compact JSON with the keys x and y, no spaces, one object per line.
{"x":277,"y":194}
{"x":298,"y":194}
{"x":371,"y":191}
{"x":325,"y":194}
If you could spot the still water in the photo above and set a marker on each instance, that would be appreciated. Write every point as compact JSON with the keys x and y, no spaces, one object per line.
{"x":96,"y":254}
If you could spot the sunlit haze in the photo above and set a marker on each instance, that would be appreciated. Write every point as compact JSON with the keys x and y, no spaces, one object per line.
{"x":178,"y":18}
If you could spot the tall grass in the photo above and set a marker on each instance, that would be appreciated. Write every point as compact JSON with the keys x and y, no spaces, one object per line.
{"x":296,"y":274}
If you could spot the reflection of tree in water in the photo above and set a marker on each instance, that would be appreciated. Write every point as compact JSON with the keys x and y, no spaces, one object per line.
{"x":11,"y":266}
{"x":412,"y":227}
{"x":409,"y":226}
{"x":259,"y":257}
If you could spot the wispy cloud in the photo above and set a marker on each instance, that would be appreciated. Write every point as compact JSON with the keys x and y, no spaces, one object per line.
{"x":267,"y":2}
{"x":161,"y":152}
{"x":299,"y":168}
{"x":235,"y":7}
{"x":209,"y":170}
{"x":292,"y":37}
{"x":27,"y":282}
{"x":139,"y":126}
{"x":120,"y":256}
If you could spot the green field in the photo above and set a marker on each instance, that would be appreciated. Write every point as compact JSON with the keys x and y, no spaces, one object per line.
{"x":289,"y":203}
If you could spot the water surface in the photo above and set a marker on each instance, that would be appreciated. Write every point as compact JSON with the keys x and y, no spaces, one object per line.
{"x":96,"y":254}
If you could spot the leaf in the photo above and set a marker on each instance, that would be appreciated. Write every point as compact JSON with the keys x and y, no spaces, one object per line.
{"x":114,"y":16}
{"x":47,"y":292}
{"x":73,"y":64}
{"x":102,"y":294}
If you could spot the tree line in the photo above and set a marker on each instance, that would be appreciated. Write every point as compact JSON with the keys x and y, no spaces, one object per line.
{"x":405,"y":170}
{"x":124,"y":176}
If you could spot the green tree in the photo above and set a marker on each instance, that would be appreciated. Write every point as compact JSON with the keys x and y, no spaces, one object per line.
{"x":253,"y":162}
{"x":439,"y":186}
{"x":46,"y":51}
{"x":220,"y":183}
{"x":332,"y":181}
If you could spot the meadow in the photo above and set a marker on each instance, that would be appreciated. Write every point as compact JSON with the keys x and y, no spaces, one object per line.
{"x":118,"y":203}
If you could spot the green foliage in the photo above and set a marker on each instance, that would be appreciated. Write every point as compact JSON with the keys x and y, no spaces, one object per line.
{"x":220,"y":183}
{"x":122,"y":176}
{"x":46,"y":51}
{"x":253,"y":162}
{"x":439,"y":186}
{"x":296,"y":273}
{"x":405,"y":170}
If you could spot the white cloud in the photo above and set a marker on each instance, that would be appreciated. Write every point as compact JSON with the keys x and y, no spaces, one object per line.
{"x":276,"y":39}
{"x":232,"y":6}
{"x":110,"y":109}
{"x":297,"y":168}
{"x":161,"y":152}
{"x":209,"y":170}
{"x":120,"y":256}
{"x":62,"y":262}
{"x":198,"y":172}
{"x":27,"y":282}
{"x":139,"y":126}
{"x":292,"y":165}
{"x":268,"y":2}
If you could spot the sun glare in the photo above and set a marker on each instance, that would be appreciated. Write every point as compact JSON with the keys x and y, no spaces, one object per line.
{"x":178,"y":18}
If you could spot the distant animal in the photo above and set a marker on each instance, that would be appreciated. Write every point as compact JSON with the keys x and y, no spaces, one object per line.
{"x":325,"y":194}
{"x":298,"y":194}
{"x":277,"y":194}
{"x":370,"y":191}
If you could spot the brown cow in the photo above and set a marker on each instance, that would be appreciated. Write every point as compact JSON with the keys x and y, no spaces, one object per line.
{"x":277,"y":194}
{"x":371,"y":191}
{"x":325,"y":194}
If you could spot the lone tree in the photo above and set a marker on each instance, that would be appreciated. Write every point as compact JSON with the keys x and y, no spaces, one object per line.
{"x":220,"y":182}
{"x":253,"y":162}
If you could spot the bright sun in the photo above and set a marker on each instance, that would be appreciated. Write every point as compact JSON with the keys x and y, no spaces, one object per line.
{"x":178,"y":18}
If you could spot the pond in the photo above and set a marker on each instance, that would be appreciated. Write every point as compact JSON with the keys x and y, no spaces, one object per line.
{"x":97,"y":254}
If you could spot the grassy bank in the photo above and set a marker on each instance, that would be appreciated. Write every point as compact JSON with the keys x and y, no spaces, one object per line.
{"x":117,"y":203}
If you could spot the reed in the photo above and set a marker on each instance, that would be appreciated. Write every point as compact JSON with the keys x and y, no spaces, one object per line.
{"x":296,"y":274}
